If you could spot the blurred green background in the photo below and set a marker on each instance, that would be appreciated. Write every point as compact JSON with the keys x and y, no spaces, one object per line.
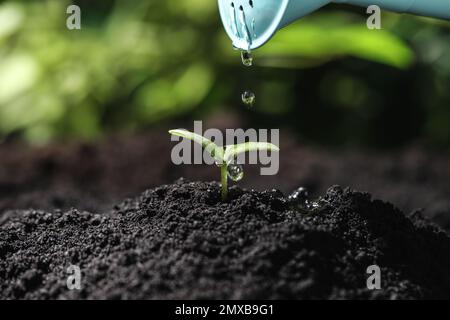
{"x":140,"y":64}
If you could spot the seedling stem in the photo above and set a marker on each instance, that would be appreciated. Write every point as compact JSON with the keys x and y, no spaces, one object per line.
{"x":224,"y":156}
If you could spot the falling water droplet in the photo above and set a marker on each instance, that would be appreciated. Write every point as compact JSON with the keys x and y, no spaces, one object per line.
{"x":248,"y":98}
{"x":247,"y":58}
{"x":235,"y":172}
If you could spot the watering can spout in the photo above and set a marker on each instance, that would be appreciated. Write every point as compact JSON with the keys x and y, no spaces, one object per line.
{"x":251,"y":23}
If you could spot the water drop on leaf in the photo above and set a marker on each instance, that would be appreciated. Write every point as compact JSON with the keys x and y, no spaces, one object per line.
{"x":235,"y":172}
{"x":218,"y":163}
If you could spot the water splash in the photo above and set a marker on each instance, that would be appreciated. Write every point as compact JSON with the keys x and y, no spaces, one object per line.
{"x":299,"y":197}
{"x":313,"y":205}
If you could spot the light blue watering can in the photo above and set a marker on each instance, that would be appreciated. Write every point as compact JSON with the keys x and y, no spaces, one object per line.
{"x":251,"y":23}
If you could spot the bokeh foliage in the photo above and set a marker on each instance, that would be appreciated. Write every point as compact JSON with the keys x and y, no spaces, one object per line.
{"x":137,"y":63}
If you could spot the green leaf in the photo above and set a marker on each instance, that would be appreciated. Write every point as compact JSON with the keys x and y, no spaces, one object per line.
{"x":233,"y":151}
{"x":214,"y":150}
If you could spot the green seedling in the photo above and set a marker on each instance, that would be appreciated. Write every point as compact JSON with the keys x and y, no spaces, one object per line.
{"x":224,"y":156}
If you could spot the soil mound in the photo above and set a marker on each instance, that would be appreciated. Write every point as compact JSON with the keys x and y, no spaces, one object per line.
{"x":180,"y":241}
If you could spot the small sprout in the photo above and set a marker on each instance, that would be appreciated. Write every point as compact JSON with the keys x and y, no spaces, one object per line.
{"x":224,"y":156}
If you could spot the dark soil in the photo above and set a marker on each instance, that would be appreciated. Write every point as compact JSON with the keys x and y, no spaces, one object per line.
{"x":180,"y":241}
{"x":95,"y":176}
